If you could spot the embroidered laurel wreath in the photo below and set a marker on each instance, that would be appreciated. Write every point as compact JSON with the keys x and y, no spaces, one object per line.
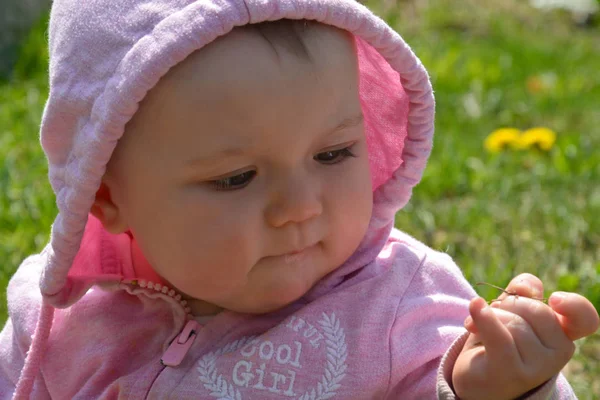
{"x":335,"y":369}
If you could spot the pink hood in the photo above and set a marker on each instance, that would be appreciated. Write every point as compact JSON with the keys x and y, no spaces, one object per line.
{"x":105,"y":56}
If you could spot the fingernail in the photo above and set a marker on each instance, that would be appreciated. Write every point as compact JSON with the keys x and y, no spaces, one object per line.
{"x":468,"y":321}
{"x":556,"y":298}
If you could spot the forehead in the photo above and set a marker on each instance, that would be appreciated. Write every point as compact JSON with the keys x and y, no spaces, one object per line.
{"x":246,"y":60}
{"x":242,"y":80}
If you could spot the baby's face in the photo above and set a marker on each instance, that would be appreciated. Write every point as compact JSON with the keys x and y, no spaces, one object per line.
{"x":244,"y":175}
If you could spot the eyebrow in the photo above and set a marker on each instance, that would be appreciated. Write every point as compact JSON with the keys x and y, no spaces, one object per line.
{"x":346,"y":123}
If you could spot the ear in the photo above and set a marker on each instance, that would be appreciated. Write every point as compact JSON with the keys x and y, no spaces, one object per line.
{"x":109,"y":214}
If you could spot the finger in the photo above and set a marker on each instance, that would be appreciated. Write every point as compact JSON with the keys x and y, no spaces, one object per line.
{"x":576,"y":315}
{"x":540,"y":317}
{"x":526,"y":285}
{"x":495,"y":337}
{"x":531,"y":350}
{"x":531,"y":361}
{"x":539,"y":359}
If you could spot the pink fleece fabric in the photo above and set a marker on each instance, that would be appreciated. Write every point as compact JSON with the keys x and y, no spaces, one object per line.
{"x":375,"y":328}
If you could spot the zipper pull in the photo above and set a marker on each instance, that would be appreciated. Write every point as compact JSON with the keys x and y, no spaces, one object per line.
{"x":181,"y":345}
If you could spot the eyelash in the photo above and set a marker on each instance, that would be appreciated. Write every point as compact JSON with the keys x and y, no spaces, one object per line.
{"x":225,"y":184}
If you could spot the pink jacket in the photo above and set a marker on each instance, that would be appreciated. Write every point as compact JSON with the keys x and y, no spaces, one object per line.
{"x":378,"y":335}
{"x":388,"y":323}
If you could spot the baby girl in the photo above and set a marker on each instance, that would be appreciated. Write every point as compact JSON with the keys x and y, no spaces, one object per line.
{"x":227,"y":174}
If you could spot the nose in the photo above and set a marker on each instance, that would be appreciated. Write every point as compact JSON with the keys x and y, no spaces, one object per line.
{"x":296,"y":199}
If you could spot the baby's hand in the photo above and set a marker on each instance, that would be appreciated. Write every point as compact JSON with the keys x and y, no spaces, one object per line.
{"x":519,"y":343}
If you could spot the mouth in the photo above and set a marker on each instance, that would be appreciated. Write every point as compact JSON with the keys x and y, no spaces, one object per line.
{"x":299,"y":251}
{"x":296,"y":256}
{"x":291,"y":253}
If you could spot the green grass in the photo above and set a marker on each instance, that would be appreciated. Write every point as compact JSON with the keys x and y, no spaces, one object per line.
{"x":501,"y":214}
{"x":497,"y":215}
{"x":27,"y":206}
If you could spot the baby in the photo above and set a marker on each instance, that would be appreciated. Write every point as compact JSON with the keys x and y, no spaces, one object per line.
{"x":227,"y":174}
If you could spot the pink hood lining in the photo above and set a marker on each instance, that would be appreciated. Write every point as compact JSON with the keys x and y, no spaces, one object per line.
{"x":86,"y":114}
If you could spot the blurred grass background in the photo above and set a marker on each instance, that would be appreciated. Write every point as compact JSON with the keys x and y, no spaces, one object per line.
{"x":493,"y":64}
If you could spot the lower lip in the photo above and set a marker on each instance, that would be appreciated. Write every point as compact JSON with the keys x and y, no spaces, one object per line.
{"x":296,"y":252}
{"x":296,"y":256}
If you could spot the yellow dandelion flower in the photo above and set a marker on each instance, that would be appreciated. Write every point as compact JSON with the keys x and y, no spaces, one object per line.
{"x":501,"y":139}
{"x":541,"y":138}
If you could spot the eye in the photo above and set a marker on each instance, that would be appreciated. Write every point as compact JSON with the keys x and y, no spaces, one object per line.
{"x":334,"y":156}
{"x":233,"y":182}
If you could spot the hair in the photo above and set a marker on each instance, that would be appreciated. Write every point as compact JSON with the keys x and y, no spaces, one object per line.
{"x":286,"y":34}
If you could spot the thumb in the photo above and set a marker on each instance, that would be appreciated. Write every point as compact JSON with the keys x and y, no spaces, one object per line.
{"x":577,"y":316}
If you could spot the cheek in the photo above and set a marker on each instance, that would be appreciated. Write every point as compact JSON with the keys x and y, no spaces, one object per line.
{"x":351,"y":207}
{"x":205,"y":245}
{"x":355,"y":193}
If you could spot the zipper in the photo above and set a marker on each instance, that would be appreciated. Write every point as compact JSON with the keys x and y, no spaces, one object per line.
{"x":181,"y":345}
{"x":184,"y":340}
